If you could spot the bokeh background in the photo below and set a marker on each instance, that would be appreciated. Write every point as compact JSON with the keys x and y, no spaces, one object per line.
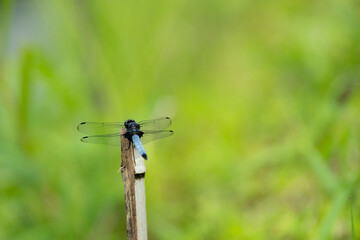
{"x":264,"y":97}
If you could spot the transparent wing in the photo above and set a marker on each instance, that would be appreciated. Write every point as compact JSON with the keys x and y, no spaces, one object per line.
{"x":155,"y":124}
{"x":96,"y":128}
{"x":110,"y":139}
{"x":150,"y":135}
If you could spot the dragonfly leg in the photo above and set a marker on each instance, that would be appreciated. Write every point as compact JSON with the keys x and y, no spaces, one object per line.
{"x":129,"y":146}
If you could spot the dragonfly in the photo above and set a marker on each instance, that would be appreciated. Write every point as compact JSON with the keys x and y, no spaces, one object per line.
{"x":138,"y":133}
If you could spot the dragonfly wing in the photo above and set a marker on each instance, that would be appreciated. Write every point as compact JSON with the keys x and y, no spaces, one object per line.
{"x":96,"y":128}
{"x":155,"y":124}
{"x":150,"y":135}
{"x":110,"y":139}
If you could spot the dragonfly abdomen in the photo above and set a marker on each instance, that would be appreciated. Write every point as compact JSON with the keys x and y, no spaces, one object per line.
{"x":138,"y":145}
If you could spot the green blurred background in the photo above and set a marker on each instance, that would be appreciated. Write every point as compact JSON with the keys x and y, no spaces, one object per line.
{"x":264,"y":97}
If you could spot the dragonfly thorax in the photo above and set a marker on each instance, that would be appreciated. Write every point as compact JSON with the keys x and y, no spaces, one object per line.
{"x":132,"y":128}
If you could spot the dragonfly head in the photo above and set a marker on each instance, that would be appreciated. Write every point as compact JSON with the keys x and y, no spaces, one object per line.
{"x":131,"y":124}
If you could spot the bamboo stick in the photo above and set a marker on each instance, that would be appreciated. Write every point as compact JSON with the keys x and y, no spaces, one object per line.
{"x":133,"y":175}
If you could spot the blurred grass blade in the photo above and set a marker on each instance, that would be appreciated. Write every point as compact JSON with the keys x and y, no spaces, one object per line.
{"x":336,"y":207}
{"x":352,"y":219}
{"x":5,"y":14}
{"x":24,"y":100}
{"x":321,"y":170}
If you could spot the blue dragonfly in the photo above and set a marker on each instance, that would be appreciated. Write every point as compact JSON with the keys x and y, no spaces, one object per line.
{"x":137,"y":132}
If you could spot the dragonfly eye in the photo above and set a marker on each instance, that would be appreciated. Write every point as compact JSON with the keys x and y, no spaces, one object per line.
{"x":127,"y":122}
